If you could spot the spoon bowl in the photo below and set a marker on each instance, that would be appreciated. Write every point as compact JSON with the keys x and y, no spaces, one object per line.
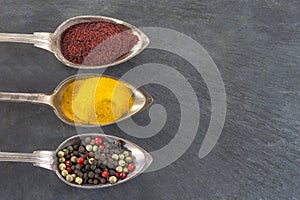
{"x":141,"y":100}
{"x":48,"y":159}
{"x":52,"y":41}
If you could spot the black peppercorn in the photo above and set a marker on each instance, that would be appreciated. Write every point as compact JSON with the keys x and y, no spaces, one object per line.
{"x":97,"y":176}
{"x":91,"y":154}
{"x":108,"y":155}
{"x":75,"y":153}
{"x":83,"y":170}
{"x":73,"y":167}
{"x":78,"y":167}
{"x":88,"y":167}
{"x":102,"y":166}
{"x":83,"y":155}
{"x":85,"y":175}
{"x":115,"y":163}
{"x":90,"y":181}
{"x":110,"y":165}
{"x":81,"y":149}
{"x":85,"y":162}
{"x":93,"y":167}
{"x":103,"y":180}
{"x":75,"y":147}
{"x":102,"y":157}
{"x":87,"y":140}
{"x":80,"y":174}
{"x":111,"y":172}
{"x":91,"y":174}
{"x":97,"y":171}
{"x":105,"y":150}
{"x":96,"y":181}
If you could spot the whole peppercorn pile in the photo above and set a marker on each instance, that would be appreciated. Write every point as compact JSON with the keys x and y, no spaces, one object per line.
{"x":95,"y":160}
{"x":96,"y":43}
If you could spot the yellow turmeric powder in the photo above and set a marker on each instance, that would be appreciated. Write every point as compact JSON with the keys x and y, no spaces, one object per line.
{"x":96,"y":100}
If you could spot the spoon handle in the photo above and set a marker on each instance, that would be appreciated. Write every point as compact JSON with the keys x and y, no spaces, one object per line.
{"x":44,"y":159}
{"x":41,"y":40}
{"x":26,"y":97}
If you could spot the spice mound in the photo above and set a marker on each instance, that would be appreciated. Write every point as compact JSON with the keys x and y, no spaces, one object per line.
{"x":96,"y":43}
{"x":95,"y":160}
{"x":96,"y":100}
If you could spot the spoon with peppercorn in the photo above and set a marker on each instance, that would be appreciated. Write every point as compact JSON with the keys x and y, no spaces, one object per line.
{"x":88,"y":42}
{"x":89,"y":100}
{"x":89,"y":160}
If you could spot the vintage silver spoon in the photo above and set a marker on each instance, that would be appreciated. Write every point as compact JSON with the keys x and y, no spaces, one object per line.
{"x":140,"y":99}
{"x":52,"y":41}
{"x":48,"y":159}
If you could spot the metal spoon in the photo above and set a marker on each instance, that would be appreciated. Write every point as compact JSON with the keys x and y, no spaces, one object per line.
{"x":48,"y":159}
{"x":140,"y":99}
{"x":52,"y":41}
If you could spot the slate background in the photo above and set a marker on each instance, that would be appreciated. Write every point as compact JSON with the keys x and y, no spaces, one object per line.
{"x":255,"y":45}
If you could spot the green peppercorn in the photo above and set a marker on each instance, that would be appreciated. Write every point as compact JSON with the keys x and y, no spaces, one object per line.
{"x":74,"y":176}
{"x":62,"y":160}
{"x":95,"y":148}
{"x":70,"y":148}
{"x":69,"y":178}
{"x":74,"y":159}
{"x":126,"y":153}
{"x":122,"y":163}
{"x":64,"y":173}
{"x":121,"y":156}
{"x":60,"y":154}
{"x":119,"y":169}
{"x":62,"y":166}
{"x":66,"y":152}
{"x":91,"y":160}
{"x":89,"y":147}
{"x":78,"y":180}
{"x":112,"y":179}
{"x":125,"y":169}
{"x":115,"y":157}
{"x":128,"y":159}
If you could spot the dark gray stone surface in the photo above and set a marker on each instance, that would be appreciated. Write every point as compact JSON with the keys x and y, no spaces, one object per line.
{"x":256,"y":46}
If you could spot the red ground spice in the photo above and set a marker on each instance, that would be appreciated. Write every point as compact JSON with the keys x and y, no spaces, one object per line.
{"x":96,"y":43}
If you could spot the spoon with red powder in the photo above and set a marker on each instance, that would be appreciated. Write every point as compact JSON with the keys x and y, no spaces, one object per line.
{"x":88,"y":42}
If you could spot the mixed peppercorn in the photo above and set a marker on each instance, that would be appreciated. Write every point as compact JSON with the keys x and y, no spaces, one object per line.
{"x":95,"y":160}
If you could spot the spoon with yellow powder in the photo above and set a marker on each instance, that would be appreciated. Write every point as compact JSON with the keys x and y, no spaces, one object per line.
{"x":89,"y":100}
